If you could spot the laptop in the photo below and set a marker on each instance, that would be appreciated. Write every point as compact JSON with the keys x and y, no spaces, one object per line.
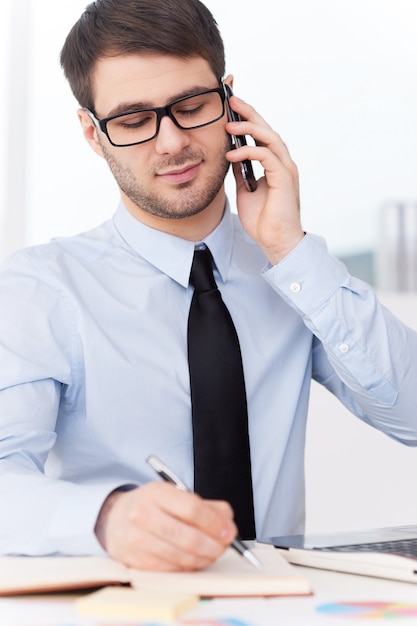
{"x":382,"y":552}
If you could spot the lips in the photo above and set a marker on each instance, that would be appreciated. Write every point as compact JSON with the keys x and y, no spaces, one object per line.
{"x":181,"y":174}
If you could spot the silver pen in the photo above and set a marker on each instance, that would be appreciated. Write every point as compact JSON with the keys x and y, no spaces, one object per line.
{"x":168,"y":475}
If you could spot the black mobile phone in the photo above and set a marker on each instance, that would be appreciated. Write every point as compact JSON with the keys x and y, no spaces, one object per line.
{"x":238,"y":141}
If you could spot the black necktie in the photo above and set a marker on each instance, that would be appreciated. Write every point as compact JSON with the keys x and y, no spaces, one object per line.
{"x":222,"y":467}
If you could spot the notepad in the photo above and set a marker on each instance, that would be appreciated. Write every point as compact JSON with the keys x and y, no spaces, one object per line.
{"x":231,"y":575}
{"x":125,"y":603}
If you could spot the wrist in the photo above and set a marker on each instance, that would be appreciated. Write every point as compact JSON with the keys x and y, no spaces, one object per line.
{"x":275,"y":254}
{"x":100,"y":528}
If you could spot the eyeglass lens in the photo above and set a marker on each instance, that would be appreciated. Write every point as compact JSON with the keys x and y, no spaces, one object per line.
{"x":189,"y":113}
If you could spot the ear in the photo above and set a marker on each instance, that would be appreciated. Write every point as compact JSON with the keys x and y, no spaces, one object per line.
{"x":90,"y":131}
{"x":229,"y":80}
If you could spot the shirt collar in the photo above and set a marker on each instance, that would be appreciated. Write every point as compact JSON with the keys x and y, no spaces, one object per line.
{"x":172,"y":255}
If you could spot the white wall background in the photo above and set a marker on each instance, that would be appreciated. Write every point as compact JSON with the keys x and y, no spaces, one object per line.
{"x":337,"y":79}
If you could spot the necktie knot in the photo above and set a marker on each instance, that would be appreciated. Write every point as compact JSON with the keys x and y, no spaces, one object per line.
{"x":201,"y":275}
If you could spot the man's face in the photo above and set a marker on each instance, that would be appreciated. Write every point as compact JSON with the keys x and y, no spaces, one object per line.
{"x":180,"y":172}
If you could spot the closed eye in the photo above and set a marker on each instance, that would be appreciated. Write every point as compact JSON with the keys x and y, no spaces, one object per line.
{"x":190,"y":110}
{"x":133,"y":121}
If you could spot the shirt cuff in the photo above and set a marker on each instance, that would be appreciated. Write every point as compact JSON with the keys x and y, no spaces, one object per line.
{"x":72,"y":526}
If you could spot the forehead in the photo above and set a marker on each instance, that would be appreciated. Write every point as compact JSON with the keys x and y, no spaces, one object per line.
{"x":146,"y":78}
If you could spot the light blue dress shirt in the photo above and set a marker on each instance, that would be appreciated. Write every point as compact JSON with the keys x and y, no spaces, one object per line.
{"x":94,"y":374}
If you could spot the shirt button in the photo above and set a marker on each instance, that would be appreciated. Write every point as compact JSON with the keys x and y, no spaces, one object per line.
{"x":295,"y":287}
{"x":344,"y":348}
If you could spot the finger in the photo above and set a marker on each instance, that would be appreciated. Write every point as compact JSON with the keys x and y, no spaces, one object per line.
{"x":184,"y":545}
{"x":169,"y":548}
{"x":255,"y":125}
{"x":264,"y":137}
{"x":213,"y":518}
{"x":143,"y":534}
{"x":161,"y":502}
{"x":171,"y":542}
{"x":246,"y":111}
{"x":277,"y":173}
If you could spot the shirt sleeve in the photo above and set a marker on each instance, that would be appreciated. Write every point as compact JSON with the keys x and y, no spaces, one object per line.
{"x":362,"y":353}
{"x":39,"y":514}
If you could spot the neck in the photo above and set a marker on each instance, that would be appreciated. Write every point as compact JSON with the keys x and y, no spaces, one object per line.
{"x":194,"y":228}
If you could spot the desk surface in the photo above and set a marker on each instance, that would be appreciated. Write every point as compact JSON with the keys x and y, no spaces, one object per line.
{"x":327,"y":607}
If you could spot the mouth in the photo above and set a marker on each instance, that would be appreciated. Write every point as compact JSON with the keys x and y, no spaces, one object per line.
{"x":181,"y":174}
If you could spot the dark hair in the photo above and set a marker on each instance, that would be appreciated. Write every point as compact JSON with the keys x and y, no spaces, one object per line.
{"x":183,"y":28}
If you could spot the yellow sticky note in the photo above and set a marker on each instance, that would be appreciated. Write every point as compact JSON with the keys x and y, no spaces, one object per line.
{"x":124,"y":602}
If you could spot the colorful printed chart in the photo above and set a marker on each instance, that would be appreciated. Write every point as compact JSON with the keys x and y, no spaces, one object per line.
{"x":369,"y":610}
{"x":215,"y":622}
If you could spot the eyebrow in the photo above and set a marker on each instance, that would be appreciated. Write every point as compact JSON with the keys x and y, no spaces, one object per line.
{"x":129,"y":107}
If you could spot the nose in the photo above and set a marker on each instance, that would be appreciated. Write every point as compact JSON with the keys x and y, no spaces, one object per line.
{"x":171,"y":139}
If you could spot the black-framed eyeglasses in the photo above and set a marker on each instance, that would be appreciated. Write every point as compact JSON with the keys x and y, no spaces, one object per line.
{"x":129,"y":129}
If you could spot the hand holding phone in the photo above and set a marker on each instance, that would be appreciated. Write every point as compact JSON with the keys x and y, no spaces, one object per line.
{"x":238,"y":141}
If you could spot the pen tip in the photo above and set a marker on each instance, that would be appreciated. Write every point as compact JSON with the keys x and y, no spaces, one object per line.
{"x":252,"y":558}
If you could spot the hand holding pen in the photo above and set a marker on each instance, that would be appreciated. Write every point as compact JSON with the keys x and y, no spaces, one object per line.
{"x":155,"y":527}
{"x":168,"y":475}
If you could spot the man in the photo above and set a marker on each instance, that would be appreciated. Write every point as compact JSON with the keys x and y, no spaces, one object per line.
{"x":93,"y":328}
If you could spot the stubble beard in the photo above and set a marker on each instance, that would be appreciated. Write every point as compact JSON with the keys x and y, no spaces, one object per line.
{"x":186,"y":200}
